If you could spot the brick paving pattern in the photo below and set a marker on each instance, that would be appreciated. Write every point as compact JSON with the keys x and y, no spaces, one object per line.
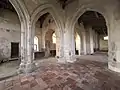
{"x":81,"y":75}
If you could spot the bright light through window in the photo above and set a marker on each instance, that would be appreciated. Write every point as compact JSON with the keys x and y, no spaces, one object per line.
{"x":36,"y":47}
{"x":106,"y":38}
{"x":54,"y":38}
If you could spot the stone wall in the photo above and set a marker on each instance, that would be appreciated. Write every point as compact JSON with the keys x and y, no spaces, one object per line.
{"x":9,"y":32}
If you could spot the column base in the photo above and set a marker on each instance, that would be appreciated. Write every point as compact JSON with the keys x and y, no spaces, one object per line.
{"x":21,"y":68}
{"x":30,"y":67}
{"x":114,"y":66}
{"x":70,"y":59}
{"x":27,"y":68}
{"x":61,"y":60}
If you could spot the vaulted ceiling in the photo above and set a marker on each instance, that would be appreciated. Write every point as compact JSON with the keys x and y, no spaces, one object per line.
{"x":91,"y":18}
{"x":42,"y":18}
{"x":94,"y":19}
{"x":5,"y":4}
{"x":64,"y":3}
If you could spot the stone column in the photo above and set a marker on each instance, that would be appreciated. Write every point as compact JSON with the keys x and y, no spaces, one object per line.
{"x":96,"y":41}
{"x":69,"y":46}
{"x":81,"y":32}
{"x":23,"y":48}
{"x":91,"y":41}
{"x":43,"y":38}
{"x":84,"y":42}
{"x":30,"y":64}
{"x":87,"y":40}
{"x":94,"y":38}
{"x":39,"y":42}
{"x":59,"y":44}
{"x":114,"y":44}
{"x":82,"y":45}
{"x":60,"y":47}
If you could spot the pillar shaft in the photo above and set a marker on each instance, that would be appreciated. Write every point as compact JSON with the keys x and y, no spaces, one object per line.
{"x":27,"y":49}
{"x":30,"y":65}
{"x":68,"y":47}
{"x":114,"y":44}
{"x":91,"y":41}
{"x":59,"y":45}
{"x":23,"y":49}
{"x":84,"y":42}
{"x":96,"y":41}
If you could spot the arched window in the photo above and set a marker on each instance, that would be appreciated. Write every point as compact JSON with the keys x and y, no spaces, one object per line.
{"x":54,"y":38}
{"x":77,"y":39}
{"x":36,"y":46}
{"x":106,"y":38}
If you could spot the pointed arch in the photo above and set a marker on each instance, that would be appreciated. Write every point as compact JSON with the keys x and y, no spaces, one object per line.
{"x":21,"y":10}
{"x":23,"y":17}
{"x":48,"y":8}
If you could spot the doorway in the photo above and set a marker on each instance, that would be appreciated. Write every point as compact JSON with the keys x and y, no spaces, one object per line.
{"x":14,"y":50}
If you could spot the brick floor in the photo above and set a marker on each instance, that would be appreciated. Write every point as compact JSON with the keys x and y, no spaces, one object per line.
{"x":81,"y":75}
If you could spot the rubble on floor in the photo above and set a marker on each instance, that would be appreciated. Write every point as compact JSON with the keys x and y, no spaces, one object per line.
{"x":81,"y":75}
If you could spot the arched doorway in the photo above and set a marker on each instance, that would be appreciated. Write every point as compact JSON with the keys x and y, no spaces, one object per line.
{"x":45,"y":29}
{"x":94,"y":33}
{"x":54,"y":38}
{"x":50,"y":43}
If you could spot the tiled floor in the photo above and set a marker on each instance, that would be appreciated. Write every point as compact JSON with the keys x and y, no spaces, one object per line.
{"x":8,"y":68}
{"x":82,"y":75}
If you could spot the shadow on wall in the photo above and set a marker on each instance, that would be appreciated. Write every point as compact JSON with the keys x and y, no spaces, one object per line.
{"x":2,"y":57}
{"x":4,"y":49}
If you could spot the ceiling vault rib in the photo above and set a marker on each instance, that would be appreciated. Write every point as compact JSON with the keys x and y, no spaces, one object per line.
{"x":95,"y":20}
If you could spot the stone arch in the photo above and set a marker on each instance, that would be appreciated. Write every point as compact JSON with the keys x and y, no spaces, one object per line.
{"x":20,"y":9}
{"x":110,"y":19}
{"x":82,"y":10}
{"x":70,"y":23}
{"x":23,"y":17}
{"x":103,"y":16}
{"x":47,"y":8}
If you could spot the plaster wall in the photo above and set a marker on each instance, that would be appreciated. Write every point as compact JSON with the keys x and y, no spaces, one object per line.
{"x":9,"y":32}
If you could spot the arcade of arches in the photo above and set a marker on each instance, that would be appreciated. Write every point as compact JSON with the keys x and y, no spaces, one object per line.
{"x":61,"y":32}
